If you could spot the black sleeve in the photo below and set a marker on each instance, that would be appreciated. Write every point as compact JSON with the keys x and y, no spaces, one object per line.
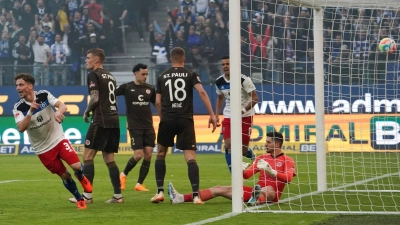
{"x":120,"y":90}
{"x":92,"y":81}
{"x":153,"y":96}
{"x":195,"y":79}
{"x":158,"y":91}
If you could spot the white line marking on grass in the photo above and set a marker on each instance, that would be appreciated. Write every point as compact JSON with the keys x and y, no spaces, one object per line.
{"x":229,"y":215}
{"x":8,"y":181}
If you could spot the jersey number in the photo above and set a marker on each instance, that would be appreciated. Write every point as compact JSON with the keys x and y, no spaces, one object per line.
{"x":68,"y":147}
{"x":111,"y":94}
{"x":179,"y":86}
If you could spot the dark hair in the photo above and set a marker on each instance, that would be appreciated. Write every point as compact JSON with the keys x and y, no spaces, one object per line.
{"x":97,"y":52}
{"x":177,"y":54}
{"x":225,"y":57}
{"x":276,"y":137}
{"x":139,"y":66}
{"x":28,"y":78}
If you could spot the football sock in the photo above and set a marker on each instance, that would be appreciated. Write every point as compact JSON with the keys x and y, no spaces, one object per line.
{"x":70,"y":185}
{"x":160,"y":169}
{"x":228,"y":159}
{"x":144,"y":170}
{"x":79,"y":173}
{"x":194,"y":177}
{"x":130,"y":165}
{"x":250,"y":154}
{"x":89,"y":170}
{"x":114,"y":176}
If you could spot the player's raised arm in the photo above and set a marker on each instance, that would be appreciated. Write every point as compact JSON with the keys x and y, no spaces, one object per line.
{"x":206,"y":100}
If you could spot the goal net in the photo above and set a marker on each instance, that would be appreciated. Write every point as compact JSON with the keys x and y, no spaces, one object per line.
{"x":323,"y":84}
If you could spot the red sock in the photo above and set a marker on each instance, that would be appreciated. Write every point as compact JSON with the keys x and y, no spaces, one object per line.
{"x":187,"y":197}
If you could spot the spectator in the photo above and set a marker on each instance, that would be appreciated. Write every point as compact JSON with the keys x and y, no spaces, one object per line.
{"x":211,"y":10}
{"x":199,"y":63}
{"x":225,"y":11}
{"x":189,"y":4}
{"x":186,"y":14}
{"x":61,"y":19}
{"x":40,"y":9}
{"x":258,"y":45}
{"x":193,"y":38}
{"x":158,"y":48}
{"x":47,"y":34}
{"x":201,"y":7}
{"x":78,"y":26}
{"x":17,"y":32}
{"x":27,"y":17}
{"x":22,"y":55}
{"x":179,"y":40}
{"x":207,"y":45}
{"x":42,"y":57}
{"x":3,"y":23}
{"x":16,"y":11}
{"x":60,"y":52}
{"x":55,"y":5}
{"x":6,"y":59}
{"x":133,"y":13}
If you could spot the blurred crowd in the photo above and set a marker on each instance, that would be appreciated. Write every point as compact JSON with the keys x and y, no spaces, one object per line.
{"x":277,"y":40}
{"x":48,"y":37}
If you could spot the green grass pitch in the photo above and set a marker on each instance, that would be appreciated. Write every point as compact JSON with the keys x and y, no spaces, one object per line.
{"x":39,"y":197}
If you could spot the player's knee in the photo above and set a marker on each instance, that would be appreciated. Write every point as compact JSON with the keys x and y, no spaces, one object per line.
{"x":66,"y":175}
{"x":138,"y":155}
{"x":147,"y":157}
{"x":228,"y":145}
{"x":76,"y":166}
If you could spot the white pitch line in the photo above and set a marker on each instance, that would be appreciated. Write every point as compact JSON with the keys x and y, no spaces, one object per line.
{"x":8,"y":181}
{"x":229,"y":215}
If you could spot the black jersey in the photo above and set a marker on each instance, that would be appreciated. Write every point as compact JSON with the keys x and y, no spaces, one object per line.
{"x":105,"y":113}
{"x":137,"y":100}
{"x":176,"y":88}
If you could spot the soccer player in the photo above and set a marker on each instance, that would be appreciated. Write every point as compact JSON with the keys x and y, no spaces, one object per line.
{"x":138,"y":96}
{"x":103,"y":132}
{"x":34,"y":114}
{"x":276,"y":170}
{"x":174,"y":104}
{"x":249,"y":99}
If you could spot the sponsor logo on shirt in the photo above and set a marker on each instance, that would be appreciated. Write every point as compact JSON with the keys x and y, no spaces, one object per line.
{"x":92,"y":84}
{"x":148,"y":91}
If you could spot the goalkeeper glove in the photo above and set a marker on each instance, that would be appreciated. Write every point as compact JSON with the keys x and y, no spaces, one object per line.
{"x":263,"y":165}
{"x":245,"y":165}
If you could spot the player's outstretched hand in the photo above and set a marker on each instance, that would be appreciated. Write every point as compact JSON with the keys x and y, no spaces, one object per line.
{"x":59,"y":117}
{"x":212,"y":121}
{"x":264,"y":165}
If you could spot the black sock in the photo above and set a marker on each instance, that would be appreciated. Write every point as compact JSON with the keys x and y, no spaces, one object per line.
{"x":88,"y":170}
{"x":130,"y":165}
{"x":114,"y":176}
{"x":160,"y":169}
{"x":144,"y":170}
{"x":194,"y":177}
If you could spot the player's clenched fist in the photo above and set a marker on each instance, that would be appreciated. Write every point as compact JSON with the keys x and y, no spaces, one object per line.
{"x":263,"y":165}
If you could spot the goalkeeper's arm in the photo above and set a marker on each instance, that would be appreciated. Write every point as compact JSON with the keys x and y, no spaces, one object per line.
{"x":285,"y":176}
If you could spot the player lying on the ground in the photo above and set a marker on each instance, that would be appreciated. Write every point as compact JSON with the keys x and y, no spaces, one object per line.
{"x":276,"y":170}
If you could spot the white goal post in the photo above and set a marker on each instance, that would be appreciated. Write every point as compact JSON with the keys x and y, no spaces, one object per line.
{"x":371,"y":188}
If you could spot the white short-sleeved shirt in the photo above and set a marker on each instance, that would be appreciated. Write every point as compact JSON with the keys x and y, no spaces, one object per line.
{"x":223,"y":87}
{"x":40,"y":52}
{"x":44,"y":131}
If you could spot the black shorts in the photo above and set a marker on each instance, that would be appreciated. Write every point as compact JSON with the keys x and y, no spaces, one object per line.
{"x":102,"y":139}
{"x":141,"y":138}
{"x":184,"y":130}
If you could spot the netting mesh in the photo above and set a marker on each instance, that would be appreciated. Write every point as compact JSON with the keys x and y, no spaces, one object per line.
{"x":360,"y":100}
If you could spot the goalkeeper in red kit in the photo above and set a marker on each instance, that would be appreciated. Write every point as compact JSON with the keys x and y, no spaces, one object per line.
{"x":276,"y":170}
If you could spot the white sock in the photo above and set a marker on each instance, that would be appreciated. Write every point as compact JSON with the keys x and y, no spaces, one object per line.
{"x":137,"y":184}
{"x":123,"y":174}
{"x":117,"y":196}
{"x":87,"y":195}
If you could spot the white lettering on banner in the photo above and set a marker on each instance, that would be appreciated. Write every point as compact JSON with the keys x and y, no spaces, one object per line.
{"x":339,"y":106}
{"x":7,"y":149}
{"x":383,"y":133}
{"x":73,"y":135}
{"x":27,"y":150}
{"x":308,"y":147}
